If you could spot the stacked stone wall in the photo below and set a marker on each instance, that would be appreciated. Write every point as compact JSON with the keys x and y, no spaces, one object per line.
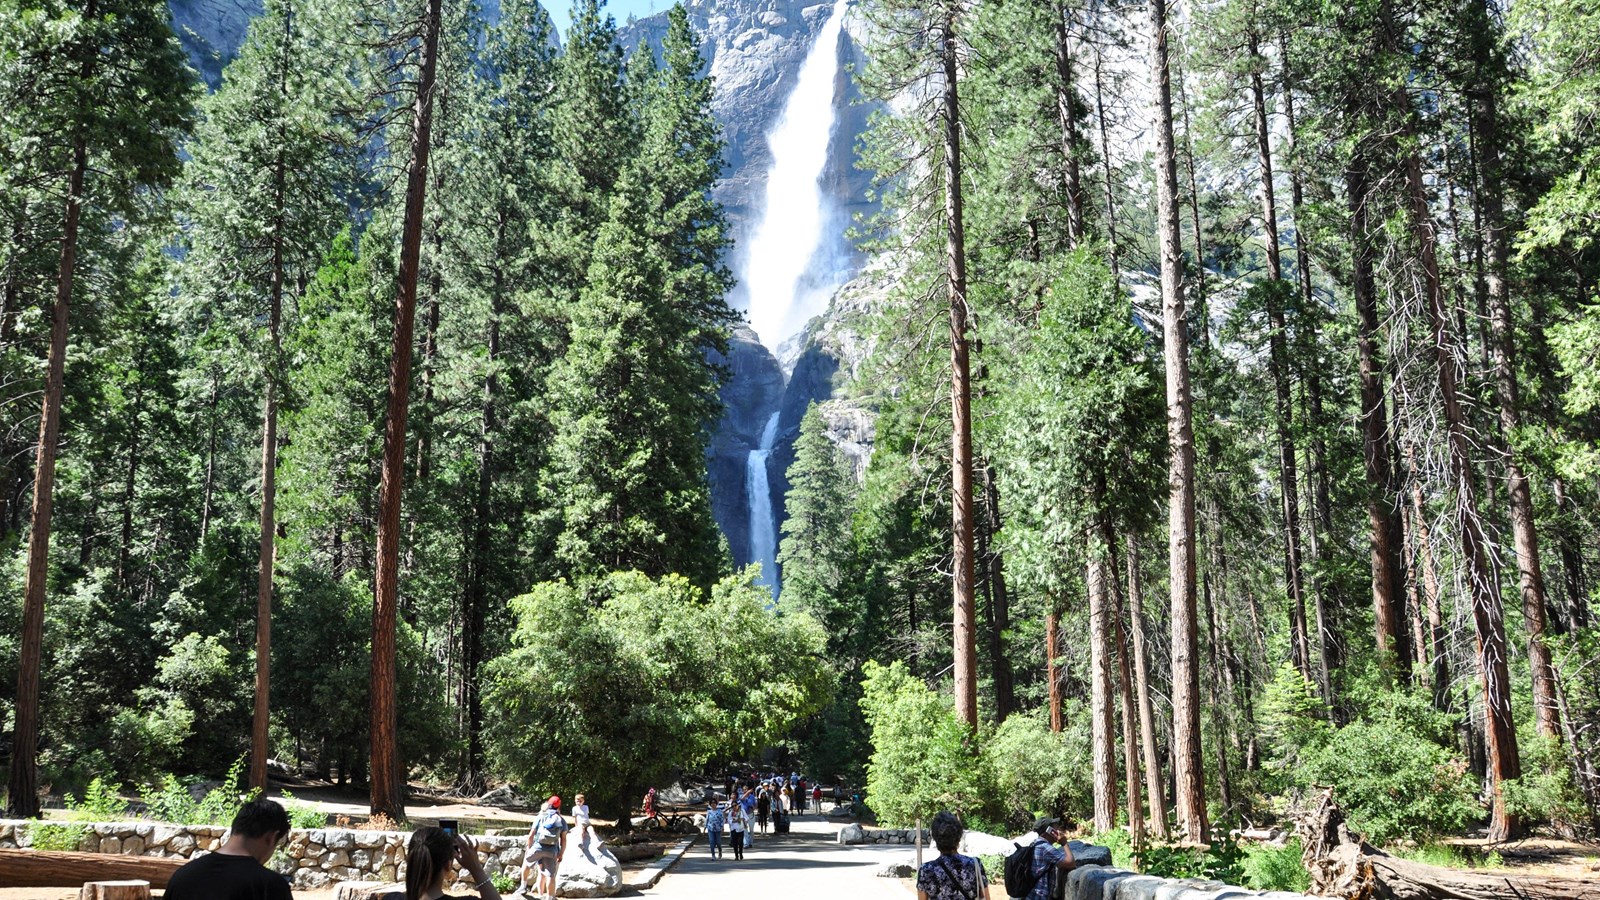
{"x":311,"y":858}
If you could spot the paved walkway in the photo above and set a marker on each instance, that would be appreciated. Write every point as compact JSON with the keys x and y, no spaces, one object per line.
{"x":805,"y":864}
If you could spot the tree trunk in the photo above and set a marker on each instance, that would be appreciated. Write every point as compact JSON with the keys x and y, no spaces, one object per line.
{"x":1218,"y":576}
{"x":1130,"y":728}
{"x":1487,"y":616}
{"x":1052,"y":663}
{"x":1147,"y":716}
{"x":53,"y":868}
{"x":1000,"y":605}
{"x":388,"y":781}
{"x":1103,"y":734}
{"x":23,"y":799}
{"x":1105,"y":165}
{"x":1423,"y":533}
{"x":965,"y":639}
{"x":1568,"y":542}
{"x":1525,"y":534}
{"x":477,"y":594}
{"x":1388,"y":602}
{"x":1345,"y":866}
{"x":1067,"y":118}
{"x":269,"y":472}
{"x":1288,"y":479}
{"x":1188,"y":768}
{"x":129,"y":489}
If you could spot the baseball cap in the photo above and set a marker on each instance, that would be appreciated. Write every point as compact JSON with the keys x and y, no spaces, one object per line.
{"x":555,"y":801}
{"x":1044,"y":822}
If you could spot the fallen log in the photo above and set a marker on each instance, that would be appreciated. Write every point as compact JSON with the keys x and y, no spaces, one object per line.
{"x":56,"y":868}
{"x":1343,"y":865}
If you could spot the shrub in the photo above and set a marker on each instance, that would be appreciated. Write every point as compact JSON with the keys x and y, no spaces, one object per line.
{"x":1038,"y":772}
{"x":302,"y":816}
{"x":1119,"y":842}
{"x":1269,"y":868}
{"x":1450,"y":856}
{"x":56,"y":836}
{"x":101,"y":802}
{"x":1221,"y":862}
{"x":923,"y":759}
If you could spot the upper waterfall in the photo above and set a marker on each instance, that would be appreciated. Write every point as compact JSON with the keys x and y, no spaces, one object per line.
{"x":777,"y":267}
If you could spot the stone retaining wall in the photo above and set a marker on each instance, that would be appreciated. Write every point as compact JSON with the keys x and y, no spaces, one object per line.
{"x":313,"y":859}
{"x":857,"y":834}
{"x":1106,"y":883}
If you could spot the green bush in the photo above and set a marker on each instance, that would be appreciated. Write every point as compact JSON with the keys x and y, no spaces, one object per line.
{"x":1222,"y":862}
{"x":1269,"y":868}
{"x":101,"y":802}
{"x":301,"y":816}
{"x":171,"y":801}
{"x":1119,"y":842}
{"x":1038,"y":772}
{"x":1450,"y":856}
{"x":56,"y":836}
{"x":923,"y":758}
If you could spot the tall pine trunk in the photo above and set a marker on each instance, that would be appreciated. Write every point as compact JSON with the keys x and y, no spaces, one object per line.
{"x":1103,"y":733}
{"x":388,"y":775}
{"x":1491,"y":203}
{"x":1147,"y":715}
{"x":965,"y":637}
{"x":23,"y":799}
{"x":1130,"y":727}
{"x":1067,"y":118}
{"x":269,"y":471}
{"x":1052,"y":663}
{"x":1187,"y":764}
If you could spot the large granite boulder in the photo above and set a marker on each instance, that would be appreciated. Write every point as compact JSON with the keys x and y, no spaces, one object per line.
{"x":853,"y":834}
{"x":588,"y":869}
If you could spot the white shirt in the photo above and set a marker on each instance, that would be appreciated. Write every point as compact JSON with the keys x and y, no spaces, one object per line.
{"x":580,"y":814}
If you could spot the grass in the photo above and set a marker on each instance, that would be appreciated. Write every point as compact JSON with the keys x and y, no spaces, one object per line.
{"x":1451,"y":856}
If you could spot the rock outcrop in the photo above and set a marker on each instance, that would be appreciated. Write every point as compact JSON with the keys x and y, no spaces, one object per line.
{"x":588,"y":869}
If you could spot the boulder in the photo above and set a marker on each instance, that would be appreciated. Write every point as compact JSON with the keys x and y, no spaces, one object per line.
{"x":842,"y":811}
{"x":1139,"y":887}
{"x":897,"y":870}
{"x":1090,"y":854}
{"x":588,"y":869}
{"x":976,"y":843}
{"x":676,"y":794}
{"x":503,"y":797}
{"x":853,"y":834}
{"x":1095,"y":883}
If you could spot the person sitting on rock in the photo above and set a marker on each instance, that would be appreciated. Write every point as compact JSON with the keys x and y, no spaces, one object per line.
{"x":580,"y":818}
{"x":238,"y":869}
{"x":428,"y":855}
{"x":951,"y":876}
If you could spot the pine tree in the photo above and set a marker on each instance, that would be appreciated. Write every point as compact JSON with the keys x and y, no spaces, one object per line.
{"x":103,"y":88}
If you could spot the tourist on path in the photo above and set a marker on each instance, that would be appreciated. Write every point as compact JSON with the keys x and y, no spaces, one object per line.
{"x":801,"y":793}
{"x":238,"y":870}
{"x":1050,"y":862}
{"x":816,"y":797}
{"x":714,"y":824}
{"x":428,"y":856}
{"x":764,"y":806}
{"x":737,"y":823}
{"x":547,"y":842}
{"x":951,"y":876}
{"x":650,"y":804}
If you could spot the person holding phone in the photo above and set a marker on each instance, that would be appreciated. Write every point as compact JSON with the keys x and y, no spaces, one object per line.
{"x":428,"y":855}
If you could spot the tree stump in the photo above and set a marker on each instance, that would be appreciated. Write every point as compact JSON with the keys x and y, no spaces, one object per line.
{"x":1343,"y":865}
{"x":115,"y":890}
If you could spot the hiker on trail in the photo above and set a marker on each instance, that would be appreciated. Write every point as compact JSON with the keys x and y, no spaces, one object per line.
{"x":580,"y":818}
{"x":714,"y":825}
{"x":764,"y":806}
{"x":429,"y":853}
{"x":1051,"y":863}
{"x":951,"y":876}
{"x":650,"y":804}
{"x":800,"y":794}
{"x":547,"y":842}
{"x":238,"y":870}
{"x":737,"y":825}
{"x":816,"y":796}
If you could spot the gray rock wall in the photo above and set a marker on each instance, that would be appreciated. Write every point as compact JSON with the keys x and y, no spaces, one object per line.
{"x":1106,"y":883}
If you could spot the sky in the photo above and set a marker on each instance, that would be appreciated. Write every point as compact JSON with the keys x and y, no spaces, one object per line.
{"x":561,"y":10}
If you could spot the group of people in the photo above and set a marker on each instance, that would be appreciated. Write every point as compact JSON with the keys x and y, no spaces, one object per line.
{"x":952,"y":876}
{"x":750,"y":807}
{"x":238,"y":870}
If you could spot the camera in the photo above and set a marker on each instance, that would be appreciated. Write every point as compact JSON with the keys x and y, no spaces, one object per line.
{"x":450,"y":827}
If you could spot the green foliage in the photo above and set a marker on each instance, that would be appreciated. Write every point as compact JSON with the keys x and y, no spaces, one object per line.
{"x":172,"y":800}
{"x":1222,"y":862}
{"x":301,"y":816}
{"x":1269,"y":868}
{"x":1450,"y":856}
{"x":1546,"y":792}
{"x":1037,"y":772}
{"x":102,"y":802}
{"x":1119,"y":841}
{"x":923,"y":758}
{"x":613,"y":682}
{"x":57,"y":836}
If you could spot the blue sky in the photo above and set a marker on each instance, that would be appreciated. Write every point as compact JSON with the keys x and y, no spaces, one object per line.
{"x":561,"y":10}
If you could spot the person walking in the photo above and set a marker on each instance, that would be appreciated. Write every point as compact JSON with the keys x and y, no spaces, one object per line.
{"x":816,"y":797}
{"x":764,"y":806}
{"x":801,"y":795}
{"x":714,"y":824}
{"x":546,"y":844}
{"x":737,"y":824}
{"x":951,"y":876}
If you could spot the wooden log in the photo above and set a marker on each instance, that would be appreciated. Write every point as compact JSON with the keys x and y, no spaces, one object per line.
{"x":365,"y":890}
{"x":1343,"y":865}
{"x":136,"y":889}
{"x":52,"y":868}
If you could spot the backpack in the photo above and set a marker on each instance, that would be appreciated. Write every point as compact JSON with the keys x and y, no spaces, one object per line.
{"x":549,"y":835}
{"x":1019,"y":871}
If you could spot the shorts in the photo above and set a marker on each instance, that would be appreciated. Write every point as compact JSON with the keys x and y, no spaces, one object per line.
{"x":545,"y":858}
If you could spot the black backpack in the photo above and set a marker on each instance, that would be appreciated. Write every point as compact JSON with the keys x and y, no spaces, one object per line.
{"x":1019,"y":871}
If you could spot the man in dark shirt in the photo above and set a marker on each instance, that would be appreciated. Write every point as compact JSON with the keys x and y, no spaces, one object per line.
{"x":238,"y":870}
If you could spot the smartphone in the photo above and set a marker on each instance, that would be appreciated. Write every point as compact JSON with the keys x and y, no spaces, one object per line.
{"x":450,"y":826}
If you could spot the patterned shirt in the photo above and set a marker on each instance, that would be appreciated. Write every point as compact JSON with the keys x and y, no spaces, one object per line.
{"x":953,"y":877}
{"x":1045,"y":858}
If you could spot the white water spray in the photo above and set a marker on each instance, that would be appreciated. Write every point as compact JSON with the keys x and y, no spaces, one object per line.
{"x":790,"y":232}
{"x":763,"y":530}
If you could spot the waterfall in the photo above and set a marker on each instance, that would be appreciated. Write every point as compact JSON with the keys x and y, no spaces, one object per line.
{"x":763,"y":530}
{"x":785,"y":241}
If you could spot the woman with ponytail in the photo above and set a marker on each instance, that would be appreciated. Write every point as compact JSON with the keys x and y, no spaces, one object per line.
{"x":428,"y":856}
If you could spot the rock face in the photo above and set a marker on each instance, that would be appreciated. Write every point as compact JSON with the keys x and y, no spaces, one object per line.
{"x":588,"y":869}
